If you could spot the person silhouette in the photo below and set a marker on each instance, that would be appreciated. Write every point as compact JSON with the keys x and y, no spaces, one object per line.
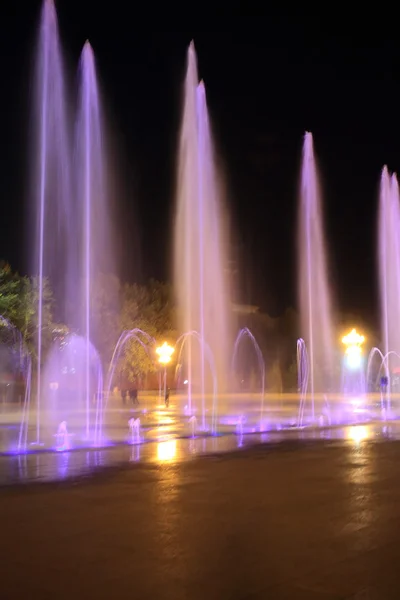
{"x":167,"y":391}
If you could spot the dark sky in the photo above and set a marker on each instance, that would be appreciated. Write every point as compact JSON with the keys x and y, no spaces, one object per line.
{"x":265,"y":87}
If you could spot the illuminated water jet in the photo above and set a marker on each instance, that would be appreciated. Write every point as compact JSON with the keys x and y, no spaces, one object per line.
{"x":186,"y":340}
{"x":246,"y":333}
{"x":51,"y":179}
{"x":314,"y":294}
{"x":389,"y":263}
{"x":200,"y":244}
{"x":72,"y":243}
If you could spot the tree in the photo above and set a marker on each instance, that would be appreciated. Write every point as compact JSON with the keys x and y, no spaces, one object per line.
{"x":138,"y":360}
{"x":160,"y":310}
{"x":10,"y":294}
{"x":105,"y":322}
{"x":274,"y":378}
{"x":290,"y":376}
{"x":28,"y":321}
{"x":150,"y":309}
{"x":19,"y":304}
{"x":116,"y":308}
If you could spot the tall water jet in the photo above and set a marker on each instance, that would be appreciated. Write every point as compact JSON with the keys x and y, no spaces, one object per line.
{"x":51,"y":174}
{"x":73,"y":235}
{"x":200,"y":243}
{"x":95,"y":240}
{"x":314,"y":294}
{"x":389,"y":261}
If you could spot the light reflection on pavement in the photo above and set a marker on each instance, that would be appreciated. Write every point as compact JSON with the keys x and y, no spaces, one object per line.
{"x":57,"y":466}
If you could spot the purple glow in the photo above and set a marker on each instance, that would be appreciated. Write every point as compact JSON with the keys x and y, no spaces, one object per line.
{"x":303,"y":369}
{"x":200,"y":247}
{"x":73,"y":239}
{"x":92,"y":196}
{"x":144,"y":339}
{"x":134,"y":429}
{"x":243,"y":333}
{"x":51,"y":173}
{"x":65,"y":390}
{"x":74,"y":246}
{"x":181,"y":343}
{"x":314,"y":294}
{"x":389,"y":268}
{"x":15,"y":375}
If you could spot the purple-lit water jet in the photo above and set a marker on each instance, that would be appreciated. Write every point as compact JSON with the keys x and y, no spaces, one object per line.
{"x":378,"y":371}
{"x":73,"y":241}
{"x":142,"y":337}
{"x":200,"y":244}
{"x":314,"y":293}
{"x":74,"y":245}
{"x":134,"y":429}
{"x":65,"y":391}
{"x":246,"y":333}
{"x":303,"y":369}
{"x":186,"y":340}
{"x":389,"y":261}
{"x":62,"y":437}
{"x":389,"y":286}
{"x":15,"y":387}
{"x":51,"y":179}
{"x":91,"y":186}
{"x":193,"y":425}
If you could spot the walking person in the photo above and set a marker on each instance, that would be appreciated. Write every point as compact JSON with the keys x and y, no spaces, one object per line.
{"x":123,"y":396}
{"x":167,"y":397}
{"x":133,"y":396}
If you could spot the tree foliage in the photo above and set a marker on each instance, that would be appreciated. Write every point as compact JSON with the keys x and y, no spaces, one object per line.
{"x":116,"y":308}
{"x":10,"y":294}
{"x":148,"y":308}
{"x":19,"y":304}
{"x":105,"y":325}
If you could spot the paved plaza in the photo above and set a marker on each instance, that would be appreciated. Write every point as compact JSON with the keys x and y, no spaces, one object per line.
{"x":291,"y":520}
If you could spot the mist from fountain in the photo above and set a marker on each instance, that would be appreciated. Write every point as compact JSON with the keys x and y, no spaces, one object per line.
{"x":389,"y":261}
{"x":73,"y":245}
{"x":209,"y":413}
{"x":377,"y":367}
{"x":73,"y":241}
{"x":353,"y":381}
{"x":134,"y":430}
{"x":303,"y":371}
{"x":15,"y":377}
{"x":193,"y":425}
{"x":316,"y":318}
{"x":200,"y":244}
{"x":51,"y":179}
{"x":65,"y":391}
{"x":242,"y":335}
{"x":138,"y":335}
{"x":90,"y":167}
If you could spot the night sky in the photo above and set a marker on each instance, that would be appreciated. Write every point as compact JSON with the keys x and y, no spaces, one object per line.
{"x":265,"y":87}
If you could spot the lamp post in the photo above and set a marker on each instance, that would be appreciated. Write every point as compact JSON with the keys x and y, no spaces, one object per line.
{"x":353,"y":342}
{"x":165,"y":352}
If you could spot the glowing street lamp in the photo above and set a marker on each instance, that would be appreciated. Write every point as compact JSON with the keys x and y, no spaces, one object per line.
{"x":165,"y":353}
{"x":353,"y":342}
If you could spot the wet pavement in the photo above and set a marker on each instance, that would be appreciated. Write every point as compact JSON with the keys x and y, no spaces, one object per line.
{"x":289,"y":518}
{"x":24,"y":432}
{"x":44,"y":465}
